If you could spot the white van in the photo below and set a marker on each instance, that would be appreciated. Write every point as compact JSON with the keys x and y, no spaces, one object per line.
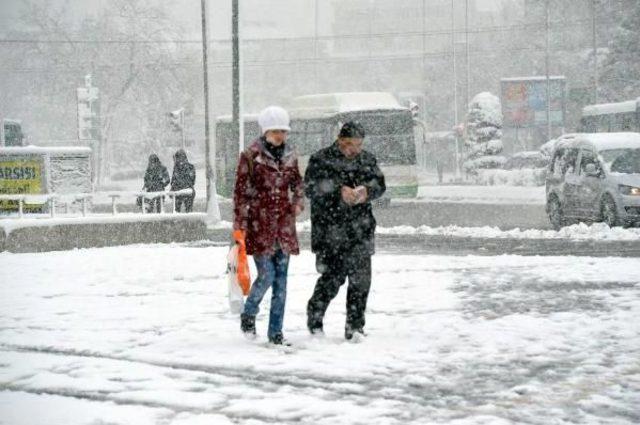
{"x":595,"y":177}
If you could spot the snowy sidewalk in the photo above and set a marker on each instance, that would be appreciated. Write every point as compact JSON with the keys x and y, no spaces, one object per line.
{"x":142,"y":335}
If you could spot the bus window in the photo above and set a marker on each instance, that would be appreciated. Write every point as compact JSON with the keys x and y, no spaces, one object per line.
{"x":297,"y":135}
{"x":309,"y":136}
{"x":315,"y":135}
{"x":627,"y":121}
{"x":389,"y":136}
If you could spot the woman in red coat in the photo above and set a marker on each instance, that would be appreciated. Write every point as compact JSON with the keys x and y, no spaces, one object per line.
{"x":267,"y":198}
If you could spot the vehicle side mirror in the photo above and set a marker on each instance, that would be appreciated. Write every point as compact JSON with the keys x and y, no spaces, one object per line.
{"x":591,"y":171}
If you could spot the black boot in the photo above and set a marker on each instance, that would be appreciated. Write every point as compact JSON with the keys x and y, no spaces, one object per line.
{"x":314,"y":321}
{"x":355,"y":334}
{"x":278,"y":339}
{"x":248,"y":325}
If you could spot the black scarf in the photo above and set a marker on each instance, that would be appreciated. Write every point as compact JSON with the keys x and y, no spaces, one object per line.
{"x":276,"y":151}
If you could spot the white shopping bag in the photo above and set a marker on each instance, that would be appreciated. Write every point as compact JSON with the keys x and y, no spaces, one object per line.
{"x":236,"y":299}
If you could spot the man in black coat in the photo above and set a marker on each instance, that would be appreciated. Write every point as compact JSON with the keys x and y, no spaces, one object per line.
{"x":184,"y":177}
{"x":341,"y":181}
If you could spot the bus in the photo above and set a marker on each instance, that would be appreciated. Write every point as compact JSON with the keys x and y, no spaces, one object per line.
{"x":315,"y":121}
{"x":611,"y":117}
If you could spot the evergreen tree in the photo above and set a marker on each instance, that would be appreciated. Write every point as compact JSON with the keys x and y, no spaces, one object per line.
{"x":484,"y":128}
{"x":620,"y":76}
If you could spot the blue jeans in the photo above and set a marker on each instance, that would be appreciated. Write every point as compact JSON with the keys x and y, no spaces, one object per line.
{"x":272,"y":272}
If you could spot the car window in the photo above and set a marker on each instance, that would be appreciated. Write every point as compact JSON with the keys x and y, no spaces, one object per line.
{"x":587,"y":158}
{"x":627,"y":163}
{"x":565,"y":161}
{"x":556,"y":167}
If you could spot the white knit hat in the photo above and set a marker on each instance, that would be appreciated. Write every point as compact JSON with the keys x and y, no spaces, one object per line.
{"x":273,"y":118}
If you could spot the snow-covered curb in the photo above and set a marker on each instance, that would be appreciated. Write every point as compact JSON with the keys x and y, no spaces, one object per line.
{"x":12,"y":224}
{"x":596,"y":231}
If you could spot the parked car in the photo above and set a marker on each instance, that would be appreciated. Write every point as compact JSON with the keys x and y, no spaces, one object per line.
{"x":548,"y":147}
{"x":595,"y":177}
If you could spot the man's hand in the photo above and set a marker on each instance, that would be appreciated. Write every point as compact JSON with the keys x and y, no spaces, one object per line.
{"x":298,"y":209}
{"x":348,"y":195}
{"x":361,"y":194}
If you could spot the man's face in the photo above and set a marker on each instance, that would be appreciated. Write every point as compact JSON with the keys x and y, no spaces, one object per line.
{"x":276,"y":137}
{"x":350,"y":146}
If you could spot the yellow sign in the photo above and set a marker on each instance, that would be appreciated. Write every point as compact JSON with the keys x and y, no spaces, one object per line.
{"x":20,"y":175}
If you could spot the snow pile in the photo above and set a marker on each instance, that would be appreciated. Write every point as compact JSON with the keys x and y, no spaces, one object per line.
{"x":581,"y":231}
{"x":142,"y":335}
{"x":523,"y":177}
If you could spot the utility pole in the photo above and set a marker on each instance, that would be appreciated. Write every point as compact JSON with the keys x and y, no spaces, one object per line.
{"x":213,"y":210}
{"x":315,"y":48}
{"x":182,"y":133}
{"x":466,"y":43}
{"x":595,"y":51}
{"x":424,"y":50}
{"x":455,"y":89}
{"x":235,"y":73}
{"x":546,"y":60}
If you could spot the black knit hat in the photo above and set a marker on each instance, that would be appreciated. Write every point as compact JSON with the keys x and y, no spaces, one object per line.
{"x":352,"y":129}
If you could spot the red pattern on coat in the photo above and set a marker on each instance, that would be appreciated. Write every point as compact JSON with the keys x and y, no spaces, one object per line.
{"x":264,"y":203}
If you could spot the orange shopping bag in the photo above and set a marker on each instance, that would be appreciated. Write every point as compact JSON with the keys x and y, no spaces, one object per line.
{"x":242,"y":269}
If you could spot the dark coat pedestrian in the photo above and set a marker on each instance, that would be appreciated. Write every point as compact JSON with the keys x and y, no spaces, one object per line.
{"x":156,"y":179}
{"x":184,"y":177}
{"x":341,"y":181}
{"x":268,"y":196}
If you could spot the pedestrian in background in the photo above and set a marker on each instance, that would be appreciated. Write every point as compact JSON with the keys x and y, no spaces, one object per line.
{"x":341,"y":181}
{"x":156,"y":179}
{"x":267,"y":198}
{"x":184,"y":177}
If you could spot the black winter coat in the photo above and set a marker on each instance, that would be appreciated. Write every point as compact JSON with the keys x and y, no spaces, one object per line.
{"x":156,"y":178}
{"x":335,"y":226}
{"x":184,"y":176}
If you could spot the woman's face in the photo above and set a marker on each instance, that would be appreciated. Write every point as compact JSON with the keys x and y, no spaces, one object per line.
{"x":276,"y":137}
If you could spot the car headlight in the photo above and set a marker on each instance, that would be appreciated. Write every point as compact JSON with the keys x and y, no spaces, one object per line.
{"x":629,"y":190}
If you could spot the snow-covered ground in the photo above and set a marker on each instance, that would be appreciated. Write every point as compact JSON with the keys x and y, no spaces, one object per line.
{"x":142,"y":335}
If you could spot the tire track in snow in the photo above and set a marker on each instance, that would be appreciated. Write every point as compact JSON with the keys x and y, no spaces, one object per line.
{"x":298,"y":380}
{"x":334,"y":388}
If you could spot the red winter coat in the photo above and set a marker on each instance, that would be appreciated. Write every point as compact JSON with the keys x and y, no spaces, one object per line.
{"x":264,"y":200}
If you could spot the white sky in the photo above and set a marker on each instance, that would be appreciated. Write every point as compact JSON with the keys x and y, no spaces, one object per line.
{"x":275,"y":18}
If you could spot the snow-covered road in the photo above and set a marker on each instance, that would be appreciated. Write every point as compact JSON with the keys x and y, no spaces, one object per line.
{"x":142,"y":335}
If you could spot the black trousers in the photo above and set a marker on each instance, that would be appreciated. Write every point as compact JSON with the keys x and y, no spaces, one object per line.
{"x":335,"y":269}
{"x":186,"y":200}
{"x":154,"y":205}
